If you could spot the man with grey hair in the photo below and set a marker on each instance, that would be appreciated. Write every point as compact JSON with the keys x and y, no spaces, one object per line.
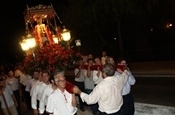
{"x":61,"y":102}
{"x":108,"y":92}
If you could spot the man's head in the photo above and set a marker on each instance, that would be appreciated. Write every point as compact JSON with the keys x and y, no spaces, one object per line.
{"x":36,"y":74}
{"x":121,"y":61}
{"x":10,"y":73}
{"x":90,"y":61}
{"x":60,"y":79}
{"x":97,"y":61}
{"x":45,"y":76}
{"x":108,"y":70}
{"x":104,"y":54}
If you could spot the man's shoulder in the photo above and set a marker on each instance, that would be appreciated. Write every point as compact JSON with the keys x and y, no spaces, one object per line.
{"x":55,"y":94}
{"x":40,"y":84}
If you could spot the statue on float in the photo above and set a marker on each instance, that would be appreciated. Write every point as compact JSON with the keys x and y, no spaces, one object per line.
{"x":42,"y":34}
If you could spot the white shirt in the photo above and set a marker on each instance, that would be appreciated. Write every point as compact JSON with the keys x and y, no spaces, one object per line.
{"x":37,"y":93}
{"x":127,"y":87}
{"x":60,"y":103}
{"x":44,"y":98}
{"x":30,"y":84}
{"x":8,"y":97}
{"x":88,"y":81}
{"x":33,"y":87}
{"x":24,"y":79}
{"x":82,"y":76}
{"x":13,"y":83}
{"x":107,"y":93}
{"x":97,"y":79}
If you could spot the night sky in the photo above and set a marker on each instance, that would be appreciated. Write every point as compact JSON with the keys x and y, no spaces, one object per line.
{"x":13,"y":28}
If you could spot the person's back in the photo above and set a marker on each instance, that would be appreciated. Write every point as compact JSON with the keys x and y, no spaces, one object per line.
{"x":7,"y":99}
{"x":128,"y":101}
{"x":108,"y":93}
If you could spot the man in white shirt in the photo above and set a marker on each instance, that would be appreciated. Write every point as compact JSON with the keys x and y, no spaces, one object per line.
{"x":97,"y":78}
{"x":29,"y":86}
{"x":128,"y":101}
{"x":33,"y":80}
{"x":61,"y":102}
{"x":108,"y":92}
{"x":44,"y":98}
{"x":39,"y":81}
{"x":13,"y":83}
{"x":97,"y":74}
{"x":79,"y":81}
{"x":24,"y":78}
{"x":7,"y":99}
{"x":38,"y":90}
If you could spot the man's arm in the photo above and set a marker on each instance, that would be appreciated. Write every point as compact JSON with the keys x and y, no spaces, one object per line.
{"x":74,"y":102}
{"x":77,"y":72}
{"x":131,"y":79}
{"x":92,"y":98}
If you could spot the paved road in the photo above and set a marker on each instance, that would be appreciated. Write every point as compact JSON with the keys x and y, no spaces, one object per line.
{"x":155,"y":90}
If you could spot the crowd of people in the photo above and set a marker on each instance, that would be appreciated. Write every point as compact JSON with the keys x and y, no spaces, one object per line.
{"x":106,"y":89}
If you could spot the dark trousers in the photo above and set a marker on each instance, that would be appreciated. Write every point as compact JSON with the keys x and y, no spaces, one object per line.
{"x":80,"y":85}
{"x":116,"y":113}
{"x":94,"y":107}
{"x":128,"y":105}
{"x":45,"y":113}
{"x":26,"y":96}
{"x":18,"y":99}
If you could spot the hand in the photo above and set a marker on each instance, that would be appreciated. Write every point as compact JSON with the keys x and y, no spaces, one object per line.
{"x":98,"y":68}
{"x":76,"y":90}
{"x":89,"y":67}
{"x":35,"y":111}
{"x":119,"y":70}
{"x":125,"y":68}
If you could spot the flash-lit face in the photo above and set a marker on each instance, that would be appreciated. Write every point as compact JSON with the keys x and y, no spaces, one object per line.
{"x":10,"y":73}
{"x":60,"y":81}
{"x":123,"y":62}
{"x":45,"y":77}
{"x":104,"y":53}
{"x":36,"y":75}
{"x":97,"y":61}
{"x":90,"y":62}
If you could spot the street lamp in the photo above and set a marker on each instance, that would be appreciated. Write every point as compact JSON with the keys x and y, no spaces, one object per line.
{"x":27,"y":44}
{"x":30,"y":41}
{"x":78,"y":44}
{"x":55,"y":39}
{"x":66,"y":34}
{"x":24,"y":45}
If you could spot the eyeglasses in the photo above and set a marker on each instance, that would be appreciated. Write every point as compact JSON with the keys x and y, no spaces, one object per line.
{"x":60,"y":80}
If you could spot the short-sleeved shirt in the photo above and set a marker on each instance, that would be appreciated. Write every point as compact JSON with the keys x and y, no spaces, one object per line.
{"x":8,"y":97}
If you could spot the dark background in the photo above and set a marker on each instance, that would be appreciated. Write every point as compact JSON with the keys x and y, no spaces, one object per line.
{"x":142,"y":27}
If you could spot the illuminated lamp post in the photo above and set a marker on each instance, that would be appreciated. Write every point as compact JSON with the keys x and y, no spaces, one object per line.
{"x":27,"y":44}
{"x":55,"y":39}
{"x":66,"y":35}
